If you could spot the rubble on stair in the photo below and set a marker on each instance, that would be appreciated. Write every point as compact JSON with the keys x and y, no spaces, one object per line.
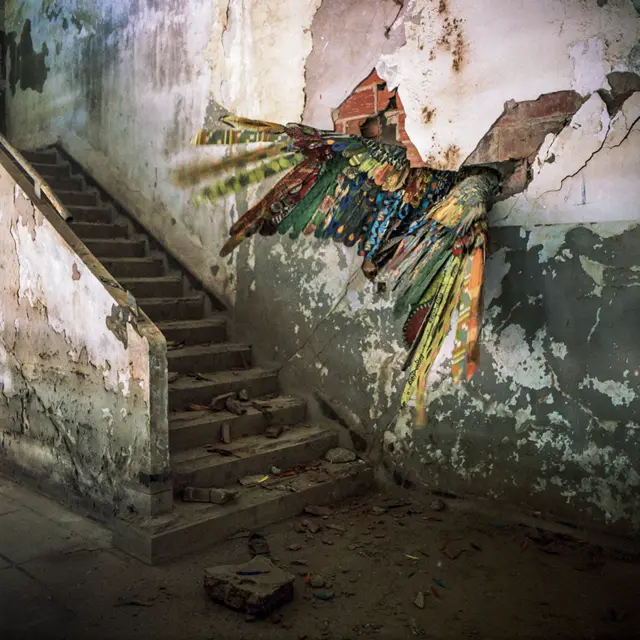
{"x":228,"y":420}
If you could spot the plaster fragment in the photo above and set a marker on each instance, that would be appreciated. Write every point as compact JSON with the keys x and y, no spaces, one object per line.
{"x":621,"y":394}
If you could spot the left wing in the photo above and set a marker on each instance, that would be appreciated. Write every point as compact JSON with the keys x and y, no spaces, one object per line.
{"x":427,"y":229}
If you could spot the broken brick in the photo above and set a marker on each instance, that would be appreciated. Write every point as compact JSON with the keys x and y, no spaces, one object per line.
{"x":256,"y":587}
{"x":361,"y":104}
{"x":195,"y":494}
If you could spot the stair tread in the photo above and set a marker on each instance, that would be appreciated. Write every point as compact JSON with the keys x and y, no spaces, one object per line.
{"x":191,"y":324}
{"x":117,"y":240}
{"x":189,"y":514}
{"x":221,"y":377}
{"x":215,"y":348}
{"x":186,"y":419}
{"x":83,"y":207}
{"x":97,"y":224}
{"x":132,"y":259}
{"x":149,"y":279}
{"x":196,"y":298}
{"x":253,"y":446}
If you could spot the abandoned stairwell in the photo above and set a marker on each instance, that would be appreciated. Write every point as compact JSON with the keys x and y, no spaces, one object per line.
{"x":203,"y":363}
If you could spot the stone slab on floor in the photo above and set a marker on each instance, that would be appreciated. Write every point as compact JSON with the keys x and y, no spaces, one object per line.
{"x":256,"y":587}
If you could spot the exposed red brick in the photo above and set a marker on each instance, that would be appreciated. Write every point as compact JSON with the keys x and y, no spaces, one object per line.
{"x":517,"y":181}
{"x":383,"y":98}
{"x":359,"y":104}
{"x":413,"y":156}
{"x":372,"y":98}
{"x":350,"y":126}
{"x":372,"y":79}
{"x":560,"y":103}
{"x":401,"y":132}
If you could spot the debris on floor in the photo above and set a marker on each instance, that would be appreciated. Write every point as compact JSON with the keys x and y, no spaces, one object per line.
{"x":219,"y":403}
{"x":274,"y":431}
{"x":339,"y":455}
{"x":252,"y":480}
{"x":225,"y":433}
{"x":385,"y":552}
{"x":315,"y":510}
{"x":256,"y":587}
{"x":258,"y":545}
{"x":235,"y":406}
{"x":204,"y":494}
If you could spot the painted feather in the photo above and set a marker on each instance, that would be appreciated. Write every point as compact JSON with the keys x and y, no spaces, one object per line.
{"x":425,"y":230}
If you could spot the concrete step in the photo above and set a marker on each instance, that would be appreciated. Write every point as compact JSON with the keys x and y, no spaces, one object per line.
{"x":158,"y":287}
{"x":251,"y":455}
{"x":60,"y":170}
{"x":45,"y":156}
{"x":189,"y":429}
{"x":84,"y":198}
{"x":189,"y":332}
{"x":193,"y":527}
{"x":162,"y":309}
{"x":101,"y":214}
{"x":73,"y":183}
{"x":209,"y":357}
{"x":121,"y":268}
{"x":117,"y":248}
{"x":99,"y":230}
{"x":186,"y":390}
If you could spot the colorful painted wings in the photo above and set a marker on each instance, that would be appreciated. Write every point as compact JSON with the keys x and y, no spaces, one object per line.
{"x":426,"y":229}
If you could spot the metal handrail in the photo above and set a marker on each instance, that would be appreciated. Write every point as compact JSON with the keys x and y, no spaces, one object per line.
{"x":39,"y":184}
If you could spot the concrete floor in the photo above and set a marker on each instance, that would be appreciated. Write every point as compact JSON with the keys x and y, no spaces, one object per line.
{"x":60,"y":578}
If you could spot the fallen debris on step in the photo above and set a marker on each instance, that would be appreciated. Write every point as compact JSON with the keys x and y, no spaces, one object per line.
{"x":274,"y":431}
{"x":219,"y":403}
{"x":235,"y":406}
{"x":215,"y":496}
{"x":256,"y":587}
{"x":339,"y":455}
{"x":258,"y":545}
{"x":314,"y":510}
{"x":251,"y":481}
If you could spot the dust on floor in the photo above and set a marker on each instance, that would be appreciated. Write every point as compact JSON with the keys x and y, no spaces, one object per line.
{"x":390,"y":570}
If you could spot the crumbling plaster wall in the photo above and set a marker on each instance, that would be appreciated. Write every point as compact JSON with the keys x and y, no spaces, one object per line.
{"x":551,"y":419}
{"x":75,"y":397}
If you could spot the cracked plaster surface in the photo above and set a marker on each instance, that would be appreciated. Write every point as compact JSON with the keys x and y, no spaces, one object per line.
{"x":74,"y":401}
{"x":318,"y":317}
{"x":536,"y":49}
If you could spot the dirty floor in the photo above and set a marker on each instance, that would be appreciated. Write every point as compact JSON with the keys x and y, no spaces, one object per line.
{"x":387,"y":572}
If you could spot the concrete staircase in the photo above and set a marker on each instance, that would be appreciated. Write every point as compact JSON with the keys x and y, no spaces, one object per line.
{"x":203,"y":363}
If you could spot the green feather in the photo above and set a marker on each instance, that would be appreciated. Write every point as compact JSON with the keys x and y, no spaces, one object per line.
{"x":248,"y":176}
{"x":300,"y":215}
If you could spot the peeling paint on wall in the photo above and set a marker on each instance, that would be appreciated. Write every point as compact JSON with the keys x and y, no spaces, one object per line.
{"x":74,"y":398}
{"x":538,"y":49}
{"x":550,"y":420}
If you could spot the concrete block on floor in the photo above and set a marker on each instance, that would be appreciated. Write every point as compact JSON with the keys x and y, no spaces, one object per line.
{"x":257,"y":587}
